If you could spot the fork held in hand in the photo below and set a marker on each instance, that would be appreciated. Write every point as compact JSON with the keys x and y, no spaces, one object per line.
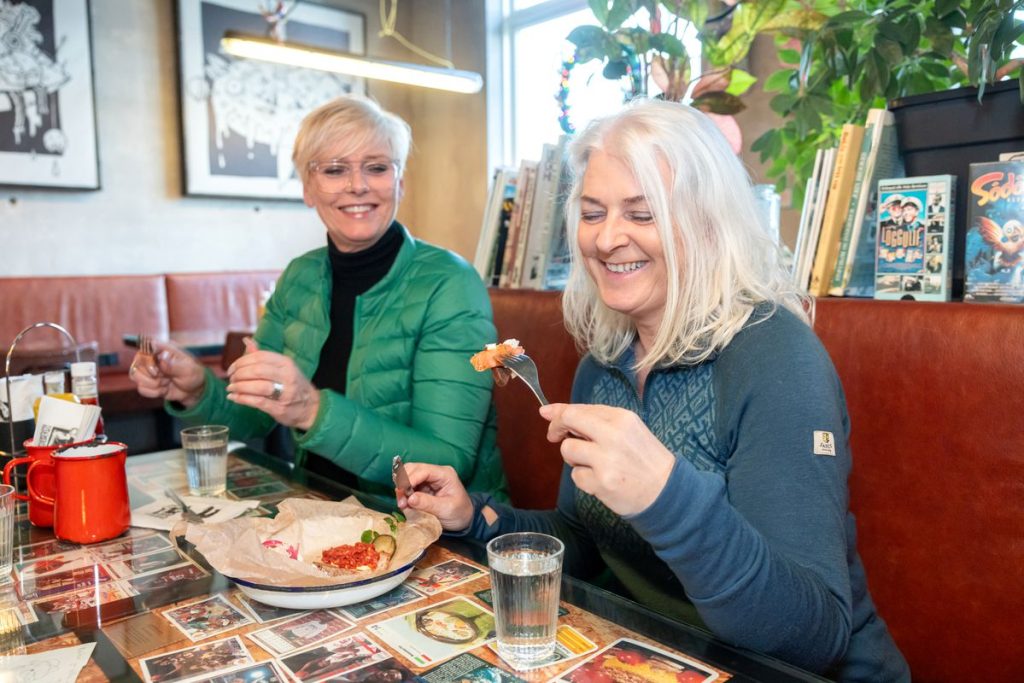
{"x":523,"y":367}
{"x":145,"y":360}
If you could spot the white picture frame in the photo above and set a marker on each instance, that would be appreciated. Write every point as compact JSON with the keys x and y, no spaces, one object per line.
{"x":47,"y":106}
{"x":239,"y":117}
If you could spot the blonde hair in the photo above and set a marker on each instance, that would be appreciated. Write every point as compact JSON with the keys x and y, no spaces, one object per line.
{"x":356,"y":120}
{"x":706,"y":218}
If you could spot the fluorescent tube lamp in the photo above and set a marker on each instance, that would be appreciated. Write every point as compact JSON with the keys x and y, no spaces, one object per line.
{"x":307,"y":57}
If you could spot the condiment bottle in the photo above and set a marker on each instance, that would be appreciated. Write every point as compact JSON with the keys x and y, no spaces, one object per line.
{"x":53,"y":386}
{"x":85,"y":386}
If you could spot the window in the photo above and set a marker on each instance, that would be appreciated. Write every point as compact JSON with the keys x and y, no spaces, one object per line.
{"x":529,"y":40}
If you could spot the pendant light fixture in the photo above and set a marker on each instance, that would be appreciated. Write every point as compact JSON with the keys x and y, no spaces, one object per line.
{"x":279,"y":51}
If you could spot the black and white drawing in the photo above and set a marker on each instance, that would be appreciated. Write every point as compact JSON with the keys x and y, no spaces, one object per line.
{"x":47,"y":111}
{"x":239,"y":116}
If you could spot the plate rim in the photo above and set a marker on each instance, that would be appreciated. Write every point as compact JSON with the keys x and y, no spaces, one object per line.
{"x":331,"y":587}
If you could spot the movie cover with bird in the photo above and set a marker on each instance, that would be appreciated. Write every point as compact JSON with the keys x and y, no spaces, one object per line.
{"x":994,"y":252}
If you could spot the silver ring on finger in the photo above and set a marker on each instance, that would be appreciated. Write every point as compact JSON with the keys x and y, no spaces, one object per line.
{"x":275,"y":393}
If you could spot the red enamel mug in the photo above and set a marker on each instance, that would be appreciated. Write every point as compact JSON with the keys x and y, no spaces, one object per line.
{"x":40,"y":513}
{"x":91,"y":499}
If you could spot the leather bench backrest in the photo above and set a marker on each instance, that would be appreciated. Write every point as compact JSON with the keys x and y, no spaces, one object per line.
{"x":532,"y":464}
{"x":936,"y":399}
{"x":200,"y":302}
{"x":92,"y":308}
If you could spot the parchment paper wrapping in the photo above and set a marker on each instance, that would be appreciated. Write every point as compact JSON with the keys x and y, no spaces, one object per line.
{"x":304,"y":528}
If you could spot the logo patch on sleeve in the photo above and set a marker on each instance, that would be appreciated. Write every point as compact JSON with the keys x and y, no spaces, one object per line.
{"x":824,"y":443}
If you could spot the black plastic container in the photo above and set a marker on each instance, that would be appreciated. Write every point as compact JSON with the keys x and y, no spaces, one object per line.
{"x":945,"y":132}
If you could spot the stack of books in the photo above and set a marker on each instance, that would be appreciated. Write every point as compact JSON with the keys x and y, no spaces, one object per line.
{"x":522,"y":239}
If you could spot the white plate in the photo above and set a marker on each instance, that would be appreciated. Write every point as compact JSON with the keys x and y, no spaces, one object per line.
{"x":323,"y":597}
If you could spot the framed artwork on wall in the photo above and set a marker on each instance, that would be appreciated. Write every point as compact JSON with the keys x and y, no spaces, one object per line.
{"x":239,"y":117}
{"x":47,"y":109}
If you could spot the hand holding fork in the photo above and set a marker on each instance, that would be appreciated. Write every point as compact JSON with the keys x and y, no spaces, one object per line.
{"x":145,"y":359}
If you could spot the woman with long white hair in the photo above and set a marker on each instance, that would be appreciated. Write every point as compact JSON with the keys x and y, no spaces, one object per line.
{"x":706,"y":445}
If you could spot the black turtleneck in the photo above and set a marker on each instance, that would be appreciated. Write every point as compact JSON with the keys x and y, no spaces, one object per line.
{"x":352,"y":274}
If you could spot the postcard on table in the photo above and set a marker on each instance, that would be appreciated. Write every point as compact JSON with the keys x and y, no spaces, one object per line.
{"x":52,"y":563}
{"x":628,"y":658}
{"x":141,"y":635}
{"x":470,"y":668}
{"x":335,"y":659}
{"x":261,"y":490}
{"x":83,"y":599}
{"x":263,"y":672}
{"x":146,"y":564}
{"x":167,"y":577}
{"x":437,"y":632}
{"x":62,"y":665}
{"x":399,"y":595}
{"x":34,"y":551}
{"x":443,"y":576}
{"x":129,"y":547}
{"x":266,"y":613}
{"x":487,"y":597}
{"x":569,"y":644}
{"x":199,"y":660}
{"x":300,"y":632}
{"x":206,"y":618}
{"x":62,"y":582}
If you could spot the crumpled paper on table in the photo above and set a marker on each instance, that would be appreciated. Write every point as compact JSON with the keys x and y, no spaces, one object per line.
{"x":304,"y":529}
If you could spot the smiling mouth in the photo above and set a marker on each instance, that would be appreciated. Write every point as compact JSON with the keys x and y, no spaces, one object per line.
{"x":625,"y":267}
{"x":358,"y":208}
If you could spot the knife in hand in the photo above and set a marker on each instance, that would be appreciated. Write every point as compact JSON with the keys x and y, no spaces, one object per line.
{"x":400,"y":477}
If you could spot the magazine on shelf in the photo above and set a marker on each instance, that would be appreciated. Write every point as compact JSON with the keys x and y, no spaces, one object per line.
{"x":491,"y":242}
{"x":518,"y":224}
{"x":994,"y":248}
{"x":810,"y":242}
{"x":915,"y":234}
{"x":546,"y":204}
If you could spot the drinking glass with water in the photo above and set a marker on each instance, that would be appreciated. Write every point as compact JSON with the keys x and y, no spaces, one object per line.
{"x":526,"y":579}
{"x":206,"y":459}
{"x":6,"y":532}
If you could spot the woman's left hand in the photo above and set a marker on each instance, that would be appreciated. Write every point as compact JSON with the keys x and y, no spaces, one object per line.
{"x":614,"y":456}
{"x":271,"y":382}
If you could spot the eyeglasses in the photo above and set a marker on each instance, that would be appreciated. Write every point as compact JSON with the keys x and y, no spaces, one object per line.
{"x":337,"y":175}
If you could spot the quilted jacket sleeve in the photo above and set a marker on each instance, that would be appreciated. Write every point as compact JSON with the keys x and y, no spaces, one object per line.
{"x":449,"y":400}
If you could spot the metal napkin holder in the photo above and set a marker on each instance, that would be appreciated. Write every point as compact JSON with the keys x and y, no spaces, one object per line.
{"x":15,"y":451}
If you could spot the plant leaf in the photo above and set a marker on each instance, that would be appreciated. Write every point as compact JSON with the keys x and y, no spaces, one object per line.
{"x":600,"y":10}
{"x":619,"y":12}
{"x":615,"y":69}
{"x":668,"y":44}
{"x":740,"y":82}
{"x":718,"y":102}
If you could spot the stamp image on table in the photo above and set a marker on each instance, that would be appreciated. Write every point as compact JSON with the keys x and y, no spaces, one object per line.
{"x":266,"y":613}
{"x":471,"y":669}
{"x":336,"y":659}
{"x":437,"y":632}
{"x":62,"y":582}
{"x":146,"y":564}
{"x":300,"y":632}
{"x":443,"y":576}
{"x":569,"y":644}
{"x":399,"y":595}
{"x":207,"y":618}
{"x":129,"y":547}
{"x":167,"y":577}
{"x":53,"y":563}
{"x":264,"y":672}
{"x":198,"y":660}
{"x":626,"y":659}
{"x":83,"y":599}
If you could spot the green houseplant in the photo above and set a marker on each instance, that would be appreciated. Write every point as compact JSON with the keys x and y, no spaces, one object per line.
{"x":841,"y":59}
{"x":642,"y":40}
{"x":838,"y":58}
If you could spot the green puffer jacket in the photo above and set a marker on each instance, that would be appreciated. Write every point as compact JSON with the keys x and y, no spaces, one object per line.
{"x":411,"y":389}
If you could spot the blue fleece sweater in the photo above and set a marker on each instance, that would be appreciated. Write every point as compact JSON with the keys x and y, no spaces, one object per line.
{"x":752,"y":535}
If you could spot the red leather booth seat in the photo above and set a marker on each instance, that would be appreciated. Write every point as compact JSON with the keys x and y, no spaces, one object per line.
{"x":199,"y":302}
{"x":936,"y":400}
{"x":91,"y":308}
